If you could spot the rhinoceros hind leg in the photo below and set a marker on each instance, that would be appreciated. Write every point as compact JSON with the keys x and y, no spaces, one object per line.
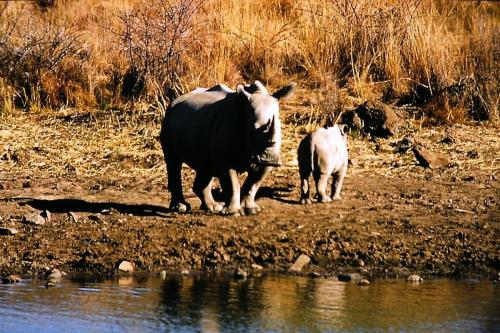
{"x":338,"y":179}
{"x":305,"y":196}
{"x":177,"y":203}
{"x":203,"y":188}
{"x":321,"y":180}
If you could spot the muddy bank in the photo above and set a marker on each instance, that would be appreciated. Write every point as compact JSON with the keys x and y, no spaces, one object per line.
{"x":105,"y":206}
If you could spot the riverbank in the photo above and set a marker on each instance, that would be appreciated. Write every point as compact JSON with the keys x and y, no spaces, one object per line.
{"x":82,"y":193}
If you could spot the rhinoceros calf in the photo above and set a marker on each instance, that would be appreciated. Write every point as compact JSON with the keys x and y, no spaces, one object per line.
{"x":323,"y":153}
{"x":221,"y":133}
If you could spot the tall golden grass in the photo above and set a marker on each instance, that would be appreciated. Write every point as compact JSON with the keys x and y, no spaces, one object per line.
{"x":409,"y":51}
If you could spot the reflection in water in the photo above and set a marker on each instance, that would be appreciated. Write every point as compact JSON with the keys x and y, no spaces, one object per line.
{"x":265,"y":304}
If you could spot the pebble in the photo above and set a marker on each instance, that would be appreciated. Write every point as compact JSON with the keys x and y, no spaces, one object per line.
{"x":126,"y":266}
{"x":414,"y":278}
{"x":256,"y":267}
{"x":363,"y":282}
{"x":163,"y":275}
{"x":50,"y":284}
{"x":185,"y":272}
{"x":241,"y":273}
{"x":300,"y":263}
{"x":74,"y":216}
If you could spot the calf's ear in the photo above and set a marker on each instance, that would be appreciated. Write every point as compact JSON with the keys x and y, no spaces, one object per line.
{"x":285,"y":92}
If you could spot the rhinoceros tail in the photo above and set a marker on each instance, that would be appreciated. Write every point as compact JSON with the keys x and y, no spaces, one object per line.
{"x":312,"y":149}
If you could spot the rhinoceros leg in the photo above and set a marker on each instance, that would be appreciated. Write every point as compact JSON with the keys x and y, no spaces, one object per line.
{"x":203,"y":188}
{"x":231,"y":188}
{"x":338,"y":179}
{"x":321,"y":180}
{"x":177,"y":203}
{"x":250,"y":188}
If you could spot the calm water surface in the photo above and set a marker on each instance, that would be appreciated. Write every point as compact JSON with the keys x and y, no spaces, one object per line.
{"x":264,"y":304}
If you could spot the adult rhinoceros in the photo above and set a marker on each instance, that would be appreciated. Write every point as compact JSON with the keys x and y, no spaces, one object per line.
{"x":221,"y":133}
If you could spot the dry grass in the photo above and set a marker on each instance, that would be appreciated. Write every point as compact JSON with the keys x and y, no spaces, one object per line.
{"x":394,"y":51}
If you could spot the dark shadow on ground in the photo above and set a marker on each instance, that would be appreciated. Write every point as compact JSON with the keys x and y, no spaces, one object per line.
{"x":276,"y":193}
{"x":79,"y":205}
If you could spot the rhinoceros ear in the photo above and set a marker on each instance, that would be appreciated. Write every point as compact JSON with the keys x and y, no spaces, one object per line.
{"x":285,"y":92}
{"x":240,"y":89}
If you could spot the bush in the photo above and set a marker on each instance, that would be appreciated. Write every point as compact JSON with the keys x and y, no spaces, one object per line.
{"x":155,"y":39}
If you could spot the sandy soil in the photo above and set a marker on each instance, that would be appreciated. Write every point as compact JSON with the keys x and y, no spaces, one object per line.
{"x":102,"y":179}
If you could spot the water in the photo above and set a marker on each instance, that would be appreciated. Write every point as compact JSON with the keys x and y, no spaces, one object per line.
{"x":264,"y":304}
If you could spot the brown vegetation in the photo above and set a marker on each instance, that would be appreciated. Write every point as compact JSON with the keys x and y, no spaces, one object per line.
{"x":439,"y":55}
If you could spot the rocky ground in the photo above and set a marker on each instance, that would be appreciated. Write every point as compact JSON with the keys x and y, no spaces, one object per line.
{"x":82,"y":192}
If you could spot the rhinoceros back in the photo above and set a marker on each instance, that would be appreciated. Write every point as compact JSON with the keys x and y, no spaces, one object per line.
{"x":204,"y":129}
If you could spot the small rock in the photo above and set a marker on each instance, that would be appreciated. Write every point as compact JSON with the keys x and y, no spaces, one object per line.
{"x":360,"y":263}
{"x":50,"y":284}
{"x":473,"y":154}
{"x":363,"y":282}
{"x":163,"y":275}
{"x":74,"y":216}
{"x":105,"y":211}
{"x":55,"y":275}
{"x":300,"y":263}
{"x":414,"y":278}
{"x":11,"y":279}
{"x":256,"y":267}
{"x":375,"y":234}
{"x":185,"y":272}
{"x":8,"y":231}
{"x":349,"y":277}
{"x":448,"y":139}
{"x":240,"y":274}
{"x":126,"y":266}
{"x":429,"y":159}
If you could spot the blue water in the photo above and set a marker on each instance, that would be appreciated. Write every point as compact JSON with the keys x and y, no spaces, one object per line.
{"x":260,"y":304}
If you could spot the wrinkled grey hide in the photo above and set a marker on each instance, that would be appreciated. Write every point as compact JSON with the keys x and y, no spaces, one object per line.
{"x":323,"y":153}
{"x":221,"y":133}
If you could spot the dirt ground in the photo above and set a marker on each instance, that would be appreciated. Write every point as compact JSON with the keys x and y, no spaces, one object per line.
{"x":102,"y":178}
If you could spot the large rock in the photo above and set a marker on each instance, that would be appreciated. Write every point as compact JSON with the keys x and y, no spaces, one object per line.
{"x":126,"y":266}
{"x":8,"y":231}
{"x":37,"y":217}
{"x":429,"y":159}
{"x":374,"y":119}
{"x":300,"y":263}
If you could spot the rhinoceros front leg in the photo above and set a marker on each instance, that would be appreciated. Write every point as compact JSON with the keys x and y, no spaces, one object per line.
{"x":177,"y":203}
{"x":250,"y":188}
{"x":231,"y":188}
{"x":203,"y":188}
